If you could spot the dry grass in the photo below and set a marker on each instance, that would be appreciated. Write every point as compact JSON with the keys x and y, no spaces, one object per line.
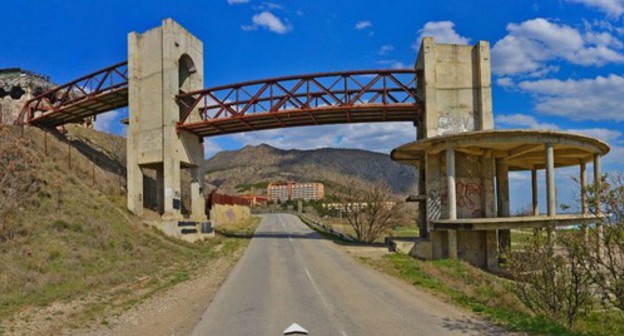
{"x":77,"y":240}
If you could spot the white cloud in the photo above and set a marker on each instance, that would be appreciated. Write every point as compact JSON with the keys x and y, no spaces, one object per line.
{"x":211,"y":148}
{"x":104,"y":122}
{"x":613,"y":8}
{"x":385,"y":49}
{"x":604,"y":134}
{"x":527,"y":121}
{"x":610,"y":136}
{"x":268,"y":21}
{"x":380,"y":137}
{"x":360,"y":25}
{"x":393,"y":64}
{"x":600,"y":98}
{"x":530,"y":45}
{"x":505,"y":82}
{"x":271,"y":6}
{"x":523,"y":121}
{"x":442,"y":32}
{"x":237,"y":2}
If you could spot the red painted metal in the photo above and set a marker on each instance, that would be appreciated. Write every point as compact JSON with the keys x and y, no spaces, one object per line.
{"x":325,"y":98}
{"x":317,"y":99}
{"x":95,"y":93}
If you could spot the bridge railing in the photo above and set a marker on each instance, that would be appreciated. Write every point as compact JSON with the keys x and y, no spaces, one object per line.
{"x":335,"y":90}
{"x":84,"y":88}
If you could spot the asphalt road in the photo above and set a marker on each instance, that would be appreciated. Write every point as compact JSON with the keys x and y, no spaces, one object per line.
{"x":291,"y":274}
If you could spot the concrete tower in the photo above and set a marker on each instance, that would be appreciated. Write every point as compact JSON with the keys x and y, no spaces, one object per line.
{"x":163,"y":62}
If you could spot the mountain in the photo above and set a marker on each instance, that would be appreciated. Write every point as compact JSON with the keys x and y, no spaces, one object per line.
{"x":251,"y":168}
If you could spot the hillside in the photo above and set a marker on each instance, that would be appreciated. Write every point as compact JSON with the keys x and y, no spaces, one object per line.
{"x":252,"y":167}
{"x":66,"y":236}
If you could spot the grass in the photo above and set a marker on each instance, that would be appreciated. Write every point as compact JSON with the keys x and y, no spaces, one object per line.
{"x":72,"y":241}
{"x":489,"y":296}
{"x":242,"y":229}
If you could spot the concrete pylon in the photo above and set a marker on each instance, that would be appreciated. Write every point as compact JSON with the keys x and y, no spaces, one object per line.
{"x":454,"y":82}
{"x":162,"y":62}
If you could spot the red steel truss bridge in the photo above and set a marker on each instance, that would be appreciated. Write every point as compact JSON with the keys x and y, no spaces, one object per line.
{"x":304,"y":100}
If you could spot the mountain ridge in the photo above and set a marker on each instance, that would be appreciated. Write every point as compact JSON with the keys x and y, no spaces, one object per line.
{"x":260,"y":164}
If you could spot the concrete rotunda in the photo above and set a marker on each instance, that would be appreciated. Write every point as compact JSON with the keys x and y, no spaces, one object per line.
{"x":464,"y":163}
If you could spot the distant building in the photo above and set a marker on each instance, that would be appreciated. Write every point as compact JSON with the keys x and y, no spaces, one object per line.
{"x":256,"y":200}
{"x":285,"y":191}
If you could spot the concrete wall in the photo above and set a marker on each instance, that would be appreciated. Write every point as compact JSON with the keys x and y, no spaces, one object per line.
{"x":228,"y":214}
{"x":456,"y":86}
{"x":156,"y":61}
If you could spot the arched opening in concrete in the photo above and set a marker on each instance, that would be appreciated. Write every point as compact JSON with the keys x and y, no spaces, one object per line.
{"x":187,"y":73}
{"x":187,"y":77}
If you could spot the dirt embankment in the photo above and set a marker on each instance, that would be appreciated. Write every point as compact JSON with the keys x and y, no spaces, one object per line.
{"x":73,"y":258}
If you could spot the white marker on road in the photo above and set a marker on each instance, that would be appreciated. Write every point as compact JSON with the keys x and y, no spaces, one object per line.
{"x":295,"y":329}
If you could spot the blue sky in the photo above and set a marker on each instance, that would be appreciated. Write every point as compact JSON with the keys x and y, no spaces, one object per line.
{"x":556,"y":64}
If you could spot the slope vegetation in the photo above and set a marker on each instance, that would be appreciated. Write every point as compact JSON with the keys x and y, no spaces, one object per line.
{"x":65,"y":232}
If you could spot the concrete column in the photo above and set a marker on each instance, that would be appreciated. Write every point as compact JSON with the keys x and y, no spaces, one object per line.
{"x":597,"y":183}
{"x":583,"y":182}
{"x":597,"y":186}
{"x":198,"y":204}
{"x":550,"y":180}
{"x":135,"y":186}
{"x":422,"y":206}
{"x":450,"y":184}
{"x":502,"y":194}
{"x":172,"y":189}
{"x":488,"y":200}
{"x":550,"y":190}
{"x":484,"y":77}
{"x":160,"y":190}
{"x":534,"y":195}
{"x":452,"y":244}
{"x":452,"y":201}
{"x":491,"y":250}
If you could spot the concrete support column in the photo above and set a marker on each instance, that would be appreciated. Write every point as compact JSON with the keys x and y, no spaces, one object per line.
{"x":450,"y":184}
{"x":488,"y":201}
{"x":160,"y":190}
{"x":452,"y":201}
{"x":172,"y":189}
{"x":534,"y":195}
{"x":550,"y":189}
{"x":422,"y":206}
{"x":198,"y":204}
{"x":491,"y":250}
{"x":583,"y":182}
{"x":550,"y":180}
{"x":502,"y":195}
{"x":597,"y":186}
{"x":135,"y":187}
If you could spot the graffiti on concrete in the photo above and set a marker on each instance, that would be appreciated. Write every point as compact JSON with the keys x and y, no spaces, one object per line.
{"x":450,"y":123}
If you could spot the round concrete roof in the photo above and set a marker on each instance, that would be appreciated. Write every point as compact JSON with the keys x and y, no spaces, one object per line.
{"x":519,"y":149}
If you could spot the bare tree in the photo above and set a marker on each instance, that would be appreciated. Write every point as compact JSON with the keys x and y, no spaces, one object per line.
{"x":556,"y":285}
{"x":603,"y":250}
{"x":369,"y":209}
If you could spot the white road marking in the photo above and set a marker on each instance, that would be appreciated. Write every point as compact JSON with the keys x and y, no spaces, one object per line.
{"x":318,"y":291}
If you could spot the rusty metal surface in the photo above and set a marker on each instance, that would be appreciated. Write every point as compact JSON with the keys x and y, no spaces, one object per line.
{"x":317,"y":99}
{"x":95,"y":93}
